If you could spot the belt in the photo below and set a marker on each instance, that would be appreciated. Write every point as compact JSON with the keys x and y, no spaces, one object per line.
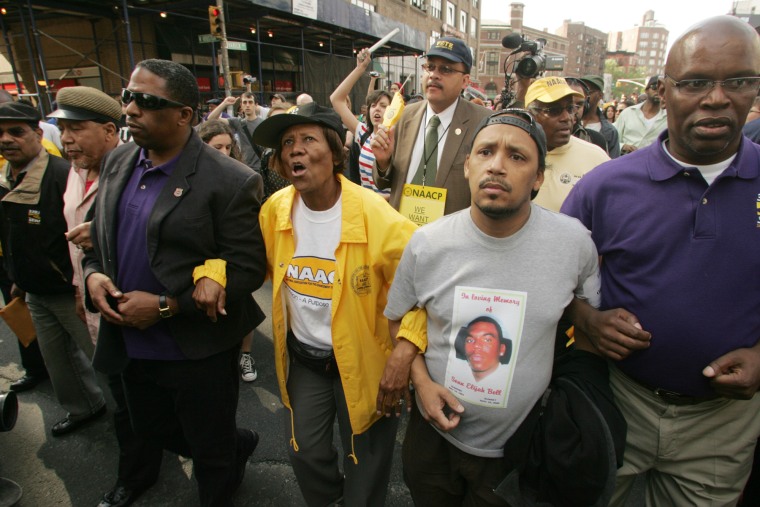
{"x":672,"y":397}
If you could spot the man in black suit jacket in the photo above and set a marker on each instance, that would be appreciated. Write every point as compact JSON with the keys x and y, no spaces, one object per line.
{"x":166,"y":204}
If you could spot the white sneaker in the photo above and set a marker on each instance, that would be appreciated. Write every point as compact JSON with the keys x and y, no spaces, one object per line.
{"x":248,"y":368}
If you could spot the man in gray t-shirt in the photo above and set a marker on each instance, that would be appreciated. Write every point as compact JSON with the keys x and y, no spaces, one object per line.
{"x":513,"y":267}
{"x":243,"y":128}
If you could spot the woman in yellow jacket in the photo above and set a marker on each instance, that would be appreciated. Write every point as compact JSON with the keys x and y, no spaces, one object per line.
{"x":332,"y":250}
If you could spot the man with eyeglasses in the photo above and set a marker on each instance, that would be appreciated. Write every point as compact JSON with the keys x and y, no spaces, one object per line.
{"x":552,"y":102}
{"x":168,"y":203}
{"x":429,"y":144}
{"x":37,"y":258}
{"x":677,"y":227}
{"x":505,"y":258}
{"x":243,"y":127}
{"x":640,"y":124}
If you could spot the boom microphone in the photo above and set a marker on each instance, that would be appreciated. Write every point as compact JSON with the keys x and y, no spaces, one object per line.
{"x":512,"y":41}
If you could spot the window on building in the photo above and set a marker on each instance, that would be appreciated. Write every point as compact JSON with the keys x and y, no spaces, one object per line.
{"x":653,"y":53}
{"x":644,"y":35}
{"x":577,"y":59}
{"x":655,"y":35}
{"x":643,"y":44}
{"x":651,"y":61}
{"x":418,"y":3}
{"x":435,"y":9}
{"x":492,"y":35}
{"x":475,"y":3}
{"x":562,"y":47}
{"x":364,"y":5}
{"x":451,"y":11}
{"x":473,"y":27}
{"x":462,"y":21}
{"x":434,"y":36}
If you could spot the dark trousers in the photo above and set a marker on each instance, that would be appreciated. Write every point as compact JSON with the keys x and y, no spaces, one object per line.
{"x":189,"y":407}
{"x":439,"y":474}
{"x":139,"y":458}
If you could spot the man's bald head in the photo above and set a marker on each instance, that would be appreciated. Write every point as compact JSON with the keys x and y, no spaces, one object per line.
{"x":709,"y":35}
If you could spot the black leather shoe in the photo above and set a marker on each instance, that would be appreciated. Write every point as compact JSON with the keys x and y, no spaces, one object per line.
{"x":68,"y":424}
{"x":247,"y":442}
{"x":26,"y":383}
{"x":120,"y":496}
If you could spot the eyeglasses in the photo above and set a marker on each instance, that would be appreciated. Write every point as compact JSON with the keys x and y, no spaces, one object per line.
{"x":443,"y":70}
{"x":147,"y":101}
{"x":556,"y":111}
{"x":15,"y":131}
{"x":738,"y":85}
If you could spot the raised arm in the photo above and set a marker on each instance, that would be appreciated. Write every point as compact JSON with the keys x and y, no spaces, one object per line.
{"x":217,"y":113}
{"x":338,"y":97}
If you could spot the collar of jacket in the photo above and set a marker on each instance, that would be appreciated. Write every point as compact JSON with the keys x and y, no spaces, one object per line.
{"x":352,"y":223}
{"x":28,"y":191}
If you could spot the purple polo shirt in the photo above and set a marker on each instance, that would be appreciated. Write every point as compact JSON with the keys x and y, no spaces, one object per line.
{"x":682,"y":256}
{"x":134,"y":271}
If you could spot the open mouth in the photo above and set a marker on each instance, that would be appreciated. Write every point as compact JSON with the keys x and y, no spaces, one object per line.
{"x":297,"y":169}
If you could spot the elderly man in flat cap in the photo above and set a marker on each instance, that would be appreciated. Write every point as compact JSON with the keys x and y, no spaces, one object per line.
{"x":37,"y":258}
{"x":89,"y":122}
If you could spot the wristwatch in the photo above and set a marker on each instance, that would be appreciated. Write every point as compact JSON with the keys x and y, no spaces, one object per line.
{"x":163,"y":307}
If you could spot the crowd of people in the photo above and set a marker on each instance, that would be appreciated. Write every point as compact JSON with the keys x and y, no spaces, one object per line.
{"x":540,"y":288}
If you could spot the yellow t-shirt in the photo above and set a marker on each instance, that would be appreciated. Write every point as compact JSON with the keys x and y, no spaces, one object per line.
{"x":564,"y":167}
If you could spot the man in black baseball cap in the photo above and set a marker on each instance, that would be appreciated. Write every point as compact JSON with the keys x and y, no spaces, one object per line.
{"x":37,"y":258}
{"x":419,"y":149}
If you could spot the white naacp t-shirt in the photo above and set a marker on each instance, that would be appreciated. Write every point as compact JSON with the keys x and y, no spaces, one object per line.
{"x":309,"y":277}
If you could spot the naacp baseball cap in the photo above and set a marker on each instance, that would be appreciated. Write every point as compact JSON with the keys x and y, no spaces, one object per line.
{"x":270,"y":131}
{"x":548,"y":90}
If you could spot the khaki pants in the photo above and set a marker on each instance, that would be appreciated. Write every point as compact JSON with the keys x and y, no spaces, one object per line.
{"x":697,"y":454}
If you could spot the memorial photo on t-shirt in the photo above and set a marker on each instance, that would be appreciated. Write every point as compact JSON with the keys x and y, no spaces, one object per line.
{"x":486,"y":330}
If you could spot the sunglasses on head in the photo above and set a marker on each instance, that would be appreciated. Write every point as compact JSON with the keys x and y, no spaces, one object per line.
{"x":14,"y":131}
{"x":147,"y":101}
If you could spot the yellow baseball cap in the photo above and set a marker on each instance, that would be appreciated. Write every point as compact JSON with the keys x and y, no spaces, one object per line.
{"x":548,"y":90}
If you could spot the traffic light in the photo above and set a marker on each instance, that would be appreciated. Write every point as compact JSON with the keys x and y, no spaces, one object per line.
{"x":215,"y":20}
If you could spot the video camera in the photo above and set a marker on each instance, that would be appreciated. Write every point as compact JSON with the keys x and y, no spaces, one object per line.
{"x":536,"y":62}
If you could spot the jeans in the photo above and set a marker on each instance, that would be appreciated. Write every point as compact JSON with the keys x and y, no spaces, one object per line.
{"x":67,"y":348}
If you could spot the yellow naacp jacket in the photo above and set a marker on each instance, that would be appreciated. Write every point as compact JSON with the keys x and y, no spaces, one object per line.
{"x":372,"y":238}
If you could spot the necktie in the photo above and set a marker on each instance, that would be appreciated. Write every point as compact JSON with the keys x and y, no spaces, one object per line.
{"x":429,"y":155}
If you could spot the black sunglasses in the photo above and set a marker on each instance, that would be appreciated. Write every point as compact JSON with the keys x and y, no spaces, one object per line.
{"x":147,"y":101}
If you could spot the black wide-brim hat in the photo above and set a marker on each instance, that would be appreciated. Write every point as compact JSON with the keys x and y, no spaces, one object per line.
{"x":270,"y":131}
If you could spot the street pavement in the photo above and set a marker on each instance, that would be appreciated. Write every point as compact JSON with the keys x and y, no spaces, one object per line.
{"x":76,"y":469}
